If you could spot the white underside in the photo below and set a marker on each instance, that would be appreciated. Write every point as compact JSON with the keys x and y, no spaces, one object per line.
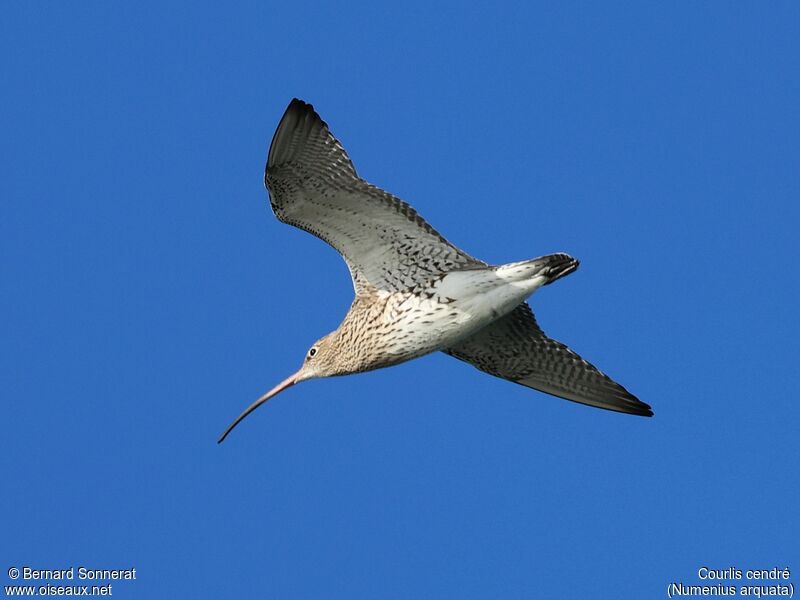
{"x":463,"y":303}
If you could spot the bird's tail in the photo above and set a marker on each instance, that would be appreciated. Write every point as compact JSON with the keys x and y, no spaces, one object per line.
{"x":550,"y":268}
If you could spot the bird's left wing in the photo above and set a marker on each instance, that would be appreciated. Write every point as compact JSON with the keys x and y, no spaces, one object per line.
{"x":515,"y":348}
{"x":313,"y":185}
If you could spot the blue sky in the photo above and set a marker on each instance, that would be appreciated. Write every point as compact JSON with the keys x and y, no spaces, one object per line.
{"x":149,"y":294}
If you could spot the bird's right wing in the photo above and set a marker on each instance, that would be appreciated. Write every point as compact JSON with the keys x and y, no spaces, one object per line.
{"x":515,"y":348}
{"x":313,"y":185}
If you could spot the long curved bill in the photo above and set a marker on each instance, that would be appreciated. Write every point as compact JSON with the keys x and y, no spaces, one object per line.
{"x":286,"y":383}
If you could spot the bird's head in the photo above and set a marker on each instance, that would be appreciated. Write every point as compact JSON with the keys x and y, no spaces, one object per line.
{"x":320,"y":361}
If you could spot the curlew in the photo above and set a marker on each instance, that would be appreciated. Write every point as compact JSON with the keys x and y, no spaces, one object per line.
{"x":416,"y":293}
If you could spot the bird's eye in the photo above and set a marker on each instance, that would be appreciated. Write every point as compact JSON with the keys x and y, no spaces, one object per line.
{"x":312,"y":352}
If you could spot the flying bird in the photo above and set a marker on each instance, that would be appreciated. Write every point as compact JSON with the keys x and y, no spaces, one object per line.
{"x":415,"y":292}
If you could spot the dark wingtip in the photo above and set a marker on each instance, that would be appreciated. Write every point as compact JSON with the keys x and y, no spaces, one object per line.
{"x":643,"y":411}
{"x":632,"y":405}
{"x":300,"y":102}
{"x":298,"y":106}
{"x":303,"y":137}
{"x":293,"y":117}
